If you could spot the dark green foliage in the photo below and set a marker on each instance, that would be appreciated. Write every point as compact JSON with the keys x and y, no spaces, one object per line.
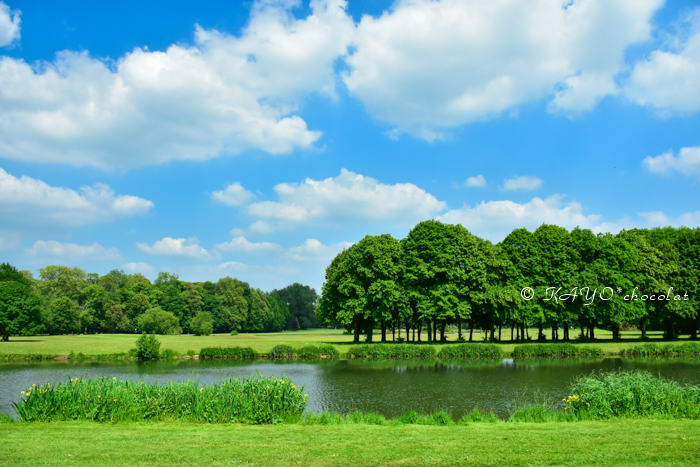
{"x":202,"y":324}
{"x":234,"y":333}
{"x":316,"y":351}
{"x":159,"y":321}
{"x":652,"y":349}
{"x":256,"y":400}
{"x":391,"y":351}
{"x":556,"y":350}
{"x":147,"y":346}
{"x":20,"y":311}
{"x":471,"y":351}
{"x":169,"y":354}
{"x":227,"y":352}
{"x":631,"y":394}
{"x":281,"y":351}
{"x":302,"y":302}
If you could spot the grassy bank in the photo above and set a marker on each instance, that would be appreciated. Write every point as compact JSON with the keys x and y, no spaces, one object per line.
{"x":613,"y":443}
{"x":117,"y":346}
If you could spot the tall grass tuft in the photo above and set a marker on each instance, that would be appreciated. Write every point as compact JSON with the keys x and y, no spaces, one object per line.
{"x":6,"y":418}
{"x":631,"y":394}
{"x":652,"y":349}
{"x":557,"y":350}
{"x":478,"y":416}
{"x":391,"y":351}
{"x":471,"y":351}
{"x":281,"y":351}
{"x":255,"y":400}
{"x":227,"y":352}
{"x":317,"y":351}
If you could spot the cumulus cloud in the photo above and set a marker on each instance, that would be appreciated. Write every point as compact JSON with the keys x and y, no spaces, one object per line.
{"x":521,"y":183}
{"x":668,"y":79}
{"x":660,"y":219}
{"x":687,"y":162}
{"x":28,"y":201}
{"x":175,"y":247}
{"x":222,"y":95}
{"x":429,"y":65}
{"x":349,"y":197}
{"x":56,"y":249}
{"x":496,"y":219}
{"x":233,"y":195}
{"x":478,"y":181}
{"x":142,"y":268}
{"x":314,"y":250}
{"x":245,"y":245}
{"x":9,"y":25}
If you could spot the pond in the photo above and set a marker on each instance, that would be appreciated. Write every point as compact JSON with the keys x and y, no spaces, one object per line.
{"x":389,"y":387}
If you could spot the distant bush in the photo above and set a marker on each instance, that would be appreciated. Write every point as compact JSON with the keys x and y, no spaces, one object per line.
{"x":147,"y":346}
{"x":169,"y":354}
{"x":556,"y":350}
{"x":391,"y":351}
{"x":227,"y":352}
{"x":471,"y":351}
{"x":281,"y":351}
{"x":316,"y":351}
{"x":653,"y":349}
{"x":234,"y":333}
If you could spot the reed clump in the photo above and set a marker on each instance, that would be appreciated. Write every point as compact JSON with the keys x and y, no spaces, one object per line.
{"x":227,"y":352}
{"x":471,"y":351}
{"x":557,"y":350}
{"x":397,"y":351}
{"x":317,"y":351}
{"x":651,"y":349}
{"x":254,"y":400}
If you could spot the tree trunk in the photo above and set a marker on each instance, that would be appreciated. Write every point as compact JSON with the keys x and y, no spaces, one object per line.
{"x":566,"y":331}
{"x":527,"y":332}
{"x":511,"y":331}
{"x":393,"y":333}
{"x":357,"y":330}
{"x":459,"y":329}
{"x":383,"y":327}
{"x":369,"y":330}
{"x":615,"y":331}
{"x":668,"y":334}
{"x":540,"y":334}
{"x":591,"y":331}
{"x":694,"y":330}
{"x":419,"y":325}
{"x":435,"y":330}
{"x":442,"y":331}
{"x":428,"y":328}
{"x":493,"y":329}
{"x":499,"y":333}
{"x":471,"y":330}
{"x":5,"y":338}
{"x":517,"y":331}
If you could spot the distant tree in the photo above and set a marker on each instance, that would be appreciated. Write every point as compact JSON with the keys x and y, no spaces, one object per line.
{"x":234,"y":307}
{"x":302,"y":303}
{"x":116,"y":319}
{"x":280,"y":312}
{"x":20,"y":311}
{"x":159,"y":321}
{"x":64,"y":316}
{"x":202,"y":324}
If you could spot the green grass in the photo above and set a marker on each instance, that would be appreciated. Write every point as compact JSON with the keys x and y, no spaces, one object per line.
{"x":600,"y":443}
{"x":557,"y":350}
{"x":251,"y":400}
{"x":112,"y":346}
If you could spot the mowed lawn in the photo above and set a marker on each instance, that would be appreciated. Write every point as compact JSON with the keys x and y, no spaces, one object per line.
{"x":603,"y":443}
{"x":93,"y":344}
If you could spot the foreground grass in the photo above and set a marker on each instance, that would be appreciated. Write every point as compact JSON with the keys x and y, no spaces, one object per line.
{"x":263,"y":343}
{"x":615,"y":443}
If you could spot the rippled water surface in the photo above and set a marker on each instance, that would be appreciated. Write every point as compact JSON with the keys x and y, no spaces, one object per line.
{"x":387,"y":387}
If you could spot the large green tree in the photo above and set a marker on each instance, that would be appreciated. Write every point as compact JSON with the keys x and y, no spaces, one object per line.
{"x":20,"y":311}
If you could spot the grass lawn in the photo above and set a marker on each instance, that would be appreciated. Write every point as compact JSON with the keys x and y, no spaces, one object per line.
{"x":614,"y":443}
{"x":112,"y":343}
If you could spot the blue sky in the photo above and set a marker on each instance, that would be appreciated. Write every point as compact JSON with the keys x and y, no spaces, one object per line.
{"x":258,"y":139}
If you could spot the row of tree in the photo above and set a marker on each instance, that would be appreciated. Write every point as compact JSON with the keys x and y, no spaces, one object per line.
{"x":442,"y":275}
{"x":69,"y":300}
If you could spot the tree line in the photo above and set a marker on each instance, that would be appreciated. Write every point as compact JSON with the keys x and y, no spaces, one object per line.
{"x":69,"y":300}
{"x":442,"y":275}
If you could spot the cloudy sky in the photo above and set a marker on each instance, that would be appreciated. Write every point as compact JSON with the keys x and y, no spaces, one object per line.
{"x":258,"y":139}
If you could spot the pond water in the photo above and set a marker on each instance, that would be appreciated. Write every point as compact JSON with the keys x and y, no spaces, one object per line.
{"x":389,"y":387}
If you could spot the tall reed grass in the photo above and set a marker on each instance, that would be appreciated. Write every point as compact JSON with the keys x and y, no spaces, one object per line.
{"x":471,"y":351}
{"x":255,"y":400}
{"x":557,"y":350}
{"x":227,"y":352}
{"x":391,"y":351}
{"x":651,"y":349}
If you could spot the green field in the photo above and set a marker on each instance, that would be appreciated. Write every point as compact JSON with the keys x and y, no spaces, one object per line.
{"x":93,"y":344}
{"x":614,"y":443}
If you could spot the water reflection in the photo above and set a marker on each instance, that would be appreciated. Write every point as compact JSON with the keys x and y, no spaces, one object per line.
{"x":387,"y":387}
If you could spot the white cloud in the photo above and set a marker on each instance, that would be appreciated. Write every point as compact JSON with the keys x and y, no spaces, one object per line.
{"x":142,"y":268}
{"x":478,"y":181}
{"x":687,"y":162}
{"x":668,"y":80}
{"x":27,"y":201}
{"x":245,"y":245}
{"x":9,"y":25}
{"x":426,"y":66}
{"x":523,"y":182}
{"x":233,"y":195}
{"x":660,"y":219}
{"x":314,"y":250}
{"x":56,"y":249}
{"x":175,"y":247}
{"x":223,"y":95}
{"x":349,"y":197}
{"x":496,"y":219}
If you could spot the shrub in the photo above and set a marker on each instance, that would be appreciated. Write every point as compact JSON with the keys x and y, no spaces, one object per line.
{"x":556,"y":350}
{"x":159,"y":321}
{"x":316,"y":351}
{"x":234,"y":333}
{"x":471,"y":351}
{"x":147,"y":346}
{"x":653,"y":349}
{"x":202,"y":324}
{"x":227,"y":352}
{"x":256,"y":400}
{"x":281,"y":351}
